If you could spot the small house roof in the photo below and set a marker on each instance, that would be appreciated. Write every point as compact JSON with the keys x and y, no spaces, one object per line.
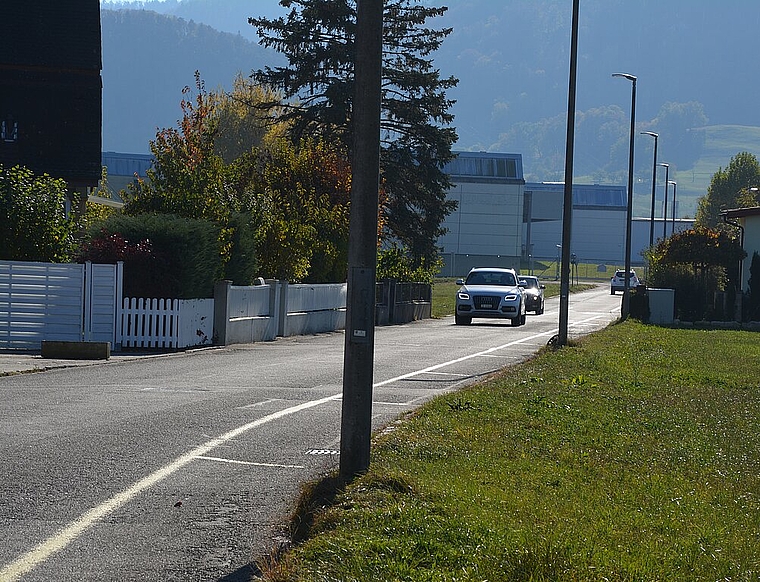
{"x":741,"y":212}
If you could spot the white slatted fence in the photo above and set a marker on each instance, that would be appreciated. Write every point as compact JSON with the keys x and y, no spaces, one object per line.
{"x":59,"y":302}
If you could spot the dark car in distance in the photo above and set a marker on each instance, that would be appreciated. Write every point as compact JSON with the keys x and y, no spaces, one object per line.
{"x":533,"y":293}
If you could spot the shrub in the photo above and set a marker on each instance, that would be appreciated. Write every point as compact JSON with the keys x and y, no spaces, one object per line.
{"x":394,"y":263}
{"x":752,"y":303}
{"x":698,"y":264}
{"x":639,"y":303}
{"x":33,"y":221}
{"x":243,"y":264}
{"x":164,"y":256}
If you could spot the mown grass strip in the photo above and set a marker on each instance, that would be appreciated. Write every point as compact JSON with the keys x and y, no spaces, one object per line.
{"x":631,"y":455}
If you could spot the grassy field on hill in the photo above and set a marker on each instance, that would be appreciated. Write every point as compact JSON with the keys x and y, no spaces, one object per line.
{"x":630,"y":455}
{"x":722,"y":142}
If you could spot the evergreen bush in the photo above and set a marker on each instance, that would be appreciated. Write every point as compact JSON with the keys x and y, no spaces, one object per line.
{"x":164,"y":256}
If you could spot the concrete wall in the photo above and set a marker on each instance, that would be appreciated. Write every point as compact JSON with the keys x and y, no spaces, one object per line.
{"x":279,"y":309}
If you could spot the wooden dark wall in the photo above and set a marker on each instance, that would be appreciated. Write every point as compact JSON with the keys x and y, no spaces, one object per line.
{"x":51,"y":89}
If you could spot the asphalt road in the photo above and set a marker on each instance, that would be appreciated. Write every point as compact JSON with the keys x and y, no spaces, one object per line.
{"x":184,"y":467}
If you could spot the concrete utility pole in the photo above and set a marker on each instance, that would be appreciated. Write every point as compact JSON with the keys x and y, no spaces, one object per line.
{"x":358,"y":363}
{"x":567,"y":212}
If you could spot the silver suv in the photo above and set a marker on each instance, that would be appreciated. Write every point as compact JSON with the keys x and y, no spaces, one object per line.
{"x":490,"y":292}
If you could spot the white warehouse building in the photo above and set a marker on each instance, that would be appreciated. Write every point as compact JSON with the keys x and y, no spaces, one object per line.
{"x":503,"y":221}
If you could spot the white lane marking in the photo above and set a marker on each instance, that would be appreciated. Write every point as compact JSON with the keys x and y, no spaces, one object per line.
{"x":479,"y":354}
{"x":34,"y":557}
{"x":54,"y":544}
{"x":262,"y":403}
{"x":251,"y":463}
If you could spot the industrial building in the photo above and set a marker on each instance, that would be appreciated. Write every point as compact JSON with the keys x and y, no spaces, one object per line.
{"x":503,"y":221}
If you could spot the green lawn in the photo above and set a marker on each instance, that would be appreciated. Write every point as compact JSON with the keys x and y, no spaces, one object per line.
{"x":632,"y":455}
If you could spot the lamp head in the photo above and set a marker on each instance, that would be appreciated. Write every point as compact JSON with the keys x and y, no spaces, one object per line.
{"x":653,"y":134}
{"x":664,"y":165}
{"x":625,"y":76}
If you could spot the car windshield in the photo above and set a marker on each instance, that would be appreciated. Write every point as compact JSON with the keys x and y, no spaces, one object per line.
{"x":490,"y":278}
{"x":529,"y":283}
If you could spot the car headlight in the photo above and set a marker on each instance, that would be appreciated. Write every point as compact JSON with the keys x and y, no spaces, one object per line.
{"x":510,"y":297}
{"x":463,"y":296}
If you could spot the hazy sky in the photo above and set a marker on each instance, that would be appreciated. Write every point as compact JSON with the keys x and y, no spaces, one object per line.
{"x":267,"y":8}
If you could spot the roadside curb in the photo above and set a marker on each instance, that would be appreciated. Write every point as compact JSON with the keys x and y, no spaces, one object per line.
{"x":30,"y":362}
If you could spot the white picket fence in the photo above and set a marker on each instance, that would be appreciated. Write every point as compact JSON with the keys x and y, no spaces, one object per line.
{"x":166,"y":323}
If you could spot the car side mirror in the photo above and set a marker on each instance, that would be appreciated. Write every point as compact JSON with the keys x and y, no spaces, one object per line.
{"x":542,"y":286}
{"x":459,"y":282}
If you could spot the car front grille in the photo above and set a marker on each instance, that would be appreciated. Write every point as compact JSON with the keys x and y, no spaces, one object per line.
{"x":486,"y":302}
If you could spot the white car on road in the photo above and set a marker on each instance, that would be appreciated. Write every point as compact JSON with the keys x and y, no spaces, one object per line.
{"x":490,"y":292}
{"x":617,"y":283}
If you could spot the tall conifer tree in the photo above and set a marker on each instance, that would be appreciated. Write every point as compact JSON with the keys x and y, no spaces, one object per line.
{"x":317,"y":37}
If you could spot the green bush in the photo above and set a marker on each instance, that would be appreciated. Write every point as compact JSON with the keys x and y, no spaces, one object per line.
{"x":164,"y":256}
{"x":752,"y":302}
{"x":394,"y":263}
{"x":243,"y":264}
{"x":639,"y":303}
{"x":33,"y":221}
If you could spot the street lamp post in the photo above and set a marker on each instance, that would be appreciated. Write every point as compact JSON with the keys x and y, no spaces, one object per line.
{"x":673,"y":210}
{"x":654,"y":181}
{"x":665,"y":204}
{"x":625,"y":309}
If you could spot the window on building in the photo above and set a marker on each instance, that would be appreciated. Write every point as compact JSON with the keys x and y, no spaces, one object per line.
{"x":485,"y":167}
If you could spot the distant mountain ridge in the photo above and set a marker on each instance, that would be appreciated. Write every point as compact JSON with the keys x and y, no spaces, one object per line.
{"x":511,"y":57}
{"x":148,"y":58}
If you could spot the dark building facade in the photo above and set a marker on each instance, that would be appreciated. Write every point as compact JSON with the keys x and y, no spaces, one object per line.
{"x":51,"y":89}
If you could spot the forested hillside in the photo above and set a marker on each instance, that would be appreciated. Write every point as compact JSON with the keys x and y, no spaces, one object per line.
{"x":147,"y":60}
{"x":511,"y":57}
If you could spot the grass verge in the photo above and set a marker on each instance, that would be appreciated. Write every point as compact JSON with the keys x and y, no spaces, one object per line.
{"x":630,"y":455}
